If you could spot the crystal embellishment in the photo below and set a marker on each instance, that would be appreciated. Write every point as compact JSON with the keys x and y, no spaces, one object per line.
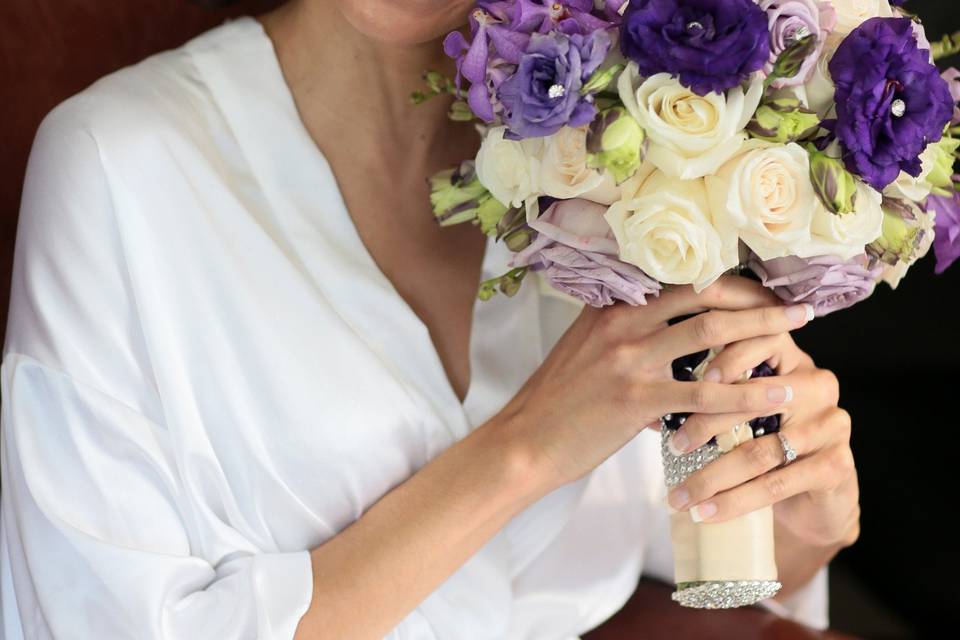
{"x":898,"y":107}
{"x":556,"y":91}
{"x":724,"y":594}
{"x":678,"y":468}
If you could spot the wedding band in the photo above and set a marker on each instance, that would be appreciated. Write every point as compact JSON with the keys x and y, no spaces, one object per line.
{"x":789,"y":455}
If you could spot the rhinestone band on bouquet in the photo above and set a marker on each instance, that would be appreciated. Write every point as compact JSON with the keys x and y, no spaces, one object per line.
{"x":629,"y":146}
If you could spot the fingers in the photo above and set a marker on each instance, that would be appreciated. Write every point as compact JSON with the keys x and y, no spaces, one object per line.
{"x":812,"y":392}
{"x":728,"y":292}
{"x":718,"y":328}
{"x":748,"y":478}
{"x":740,"y":358}
{"x":761,"y":397}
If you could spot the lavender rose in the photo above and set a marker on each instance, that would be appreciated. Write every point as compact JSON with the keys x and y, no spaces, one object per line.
{"x":576,"y":252}
{"x":891,"y":102}
{"x":827,"y":282}
{"x":544,"y":92}
{"x":791,"y":20}
{"x":711,"y":45}
{"x":946,"y":240}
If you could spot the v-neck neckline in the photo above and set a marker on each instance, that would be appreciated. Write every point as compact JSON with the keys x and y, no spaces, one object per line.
{"x":250,"y":117}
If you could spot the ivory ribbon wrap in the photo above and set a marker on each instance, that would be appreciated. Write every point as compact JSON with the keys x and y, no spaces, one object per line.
{"x":740,"y":548}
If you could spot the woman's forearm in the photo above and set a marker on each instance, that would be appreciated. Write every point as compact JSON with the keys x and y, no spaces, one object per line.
{"x":368,"y":577}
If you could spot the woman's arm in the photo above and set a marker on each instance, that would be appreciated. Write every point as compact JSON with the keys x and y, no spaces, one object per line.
{"x":371,"y":574}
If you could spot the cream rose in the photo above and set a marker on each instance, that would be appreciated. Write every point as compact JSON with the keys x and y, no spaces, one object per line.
{"x":564,"y":173}
{"x":846,"y":235}
{"x":509,"y":169}
{"x":667,"y":230}
{"x":690,"y":135}
{"x":766,"y":195}
{"x":852,"y":13}
{"x":916,"y":189}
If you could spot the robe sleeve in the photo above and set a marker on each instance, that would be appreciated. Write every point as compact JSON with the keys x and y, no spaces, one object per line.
{"x":95,"y":532}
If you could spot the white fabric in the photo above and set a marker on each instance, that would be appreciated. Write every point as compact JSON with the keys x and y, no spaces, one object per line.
{"x":205,"y":375}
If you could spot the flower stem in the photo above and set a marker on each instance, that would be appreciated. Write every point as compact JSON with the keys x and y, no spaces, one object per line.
{"x":946,"y":46}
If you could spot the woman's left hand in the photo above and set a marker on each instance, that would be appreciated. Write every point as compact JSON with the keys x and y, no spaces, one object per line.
{"x":816,"y":497}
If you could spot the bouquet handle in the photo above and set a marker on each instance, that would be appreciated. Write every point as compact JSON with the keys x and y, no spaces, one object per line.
{"x":725,"y":564}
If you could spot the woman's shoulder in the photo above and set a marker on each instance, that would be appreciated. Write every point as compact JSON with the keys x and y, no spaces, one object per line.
{"x":160,"y":95}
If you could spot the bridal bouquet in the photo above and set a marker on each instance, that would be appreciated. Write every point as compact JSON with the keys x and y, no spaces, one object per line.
{"x":627,"y":146}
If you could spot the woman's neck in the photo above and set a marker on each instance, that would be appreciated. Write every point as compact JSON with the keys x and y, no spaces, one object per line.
{"x":353,"y":92}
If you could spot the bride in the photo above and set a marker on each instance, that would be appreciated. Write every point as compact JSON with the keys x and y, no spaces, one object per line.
{"x":249,"y":392}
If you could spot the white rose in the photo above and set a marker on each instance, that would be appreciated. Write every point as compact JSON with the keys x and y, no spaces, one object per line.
{"x":818,"y":91}
{"x":846,"y":235}
{"x":564,"y":173}
{"x":509,"y":169}
{"x":690,"y":135}
{"x":766,"y":195}
{"x":667,"y":230}
{"x":893,"y":274}
{"x":916,"y":189}
{"x":852,"y":13}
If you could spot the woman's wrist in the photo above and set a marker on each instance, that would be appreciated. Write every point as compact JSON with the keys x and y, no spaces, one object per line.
{"x":517,"y":465}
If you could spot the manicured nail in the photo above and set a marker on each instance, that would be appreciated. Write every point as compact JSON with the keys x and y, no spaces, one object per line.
{"x":801,"y":313}
{"x":713,"y":375}
{"x":702,"y":511}
{"x":678,"y":498}
{"x":780,"y":395}
{"x":678,"y":443}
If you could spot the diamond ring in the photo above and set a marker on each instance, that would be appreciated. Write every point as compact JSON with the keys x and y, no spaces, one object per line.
{"x":789,"y":455}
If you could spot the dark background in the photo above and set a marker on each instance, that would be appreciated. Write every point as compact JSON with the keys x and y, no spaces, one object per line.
{"x":895,"y":354}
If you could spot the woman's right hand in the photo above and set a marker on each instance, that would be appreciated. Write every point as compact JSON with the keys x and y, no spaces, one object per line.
{"x":609,"y":376}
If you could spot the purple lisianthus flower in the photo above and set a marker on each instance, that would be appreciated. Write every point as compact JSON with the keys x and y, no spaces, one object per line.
{"x":544,"y":93}
{"x":952,"y":78}
{"x":946,"y":239}
{"x":577,"y":253}
{"x":710,"y":45}
{"x":828,"y":283}
{"x":790,"y":20}
{"x":891,"y":101}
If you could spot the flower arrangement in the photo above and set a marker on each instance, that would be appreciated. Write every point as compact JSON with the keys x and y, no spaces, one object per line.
{"x":632,"y":145}
{"x":627,"y":146}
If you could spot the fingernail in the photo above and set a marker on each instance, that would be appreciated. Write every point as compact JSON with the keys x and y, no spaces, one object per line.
{"x":702,"y":511}
{"x":678,"y":498}
{"x":800,"y":313}
{"x":780,"y":395}
{"x":678,"y":443}
{"x":713,"y":375}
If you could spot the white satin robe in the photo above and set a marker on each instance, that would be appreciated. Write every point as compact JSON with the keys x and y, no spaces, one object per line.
{"x":205,"y":375}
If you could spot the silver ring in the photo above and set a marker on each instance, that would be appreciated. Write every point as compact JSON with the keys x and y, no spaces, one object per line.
{"x":789,"y":455}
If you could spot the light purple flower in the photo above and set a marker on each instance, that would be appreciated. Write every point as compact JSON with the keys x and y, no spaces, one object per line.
{"x":790,"y":20}
{"x":577,"y":253}
{"x":481,"y":60}
{"x":828,"y":283}
{"x":567,"y":16}
{"x":946,"y":240}
{"x":543,"y":94}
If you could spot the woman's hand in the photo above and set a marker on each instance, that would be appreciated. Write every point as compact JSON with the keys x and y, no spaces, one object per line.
{"x":816,"y":497}
{"x":609,"y":375}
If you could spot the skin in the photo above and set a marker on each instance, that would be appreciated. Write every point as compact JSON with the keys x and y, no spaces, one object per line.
{"x":350,"y":67}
